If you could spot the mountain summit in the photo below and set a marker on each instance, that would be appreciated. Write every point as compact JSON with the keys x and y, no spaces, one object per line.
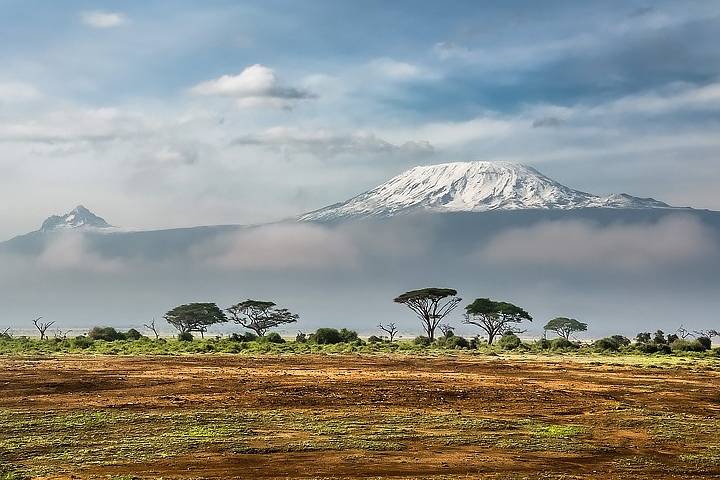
{"x":472,"y":187}
{"x":79,"y":218}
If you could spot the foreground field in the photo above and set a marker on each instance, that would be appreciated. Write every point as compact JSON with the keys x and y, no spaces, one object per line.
{"x":345,"y":416}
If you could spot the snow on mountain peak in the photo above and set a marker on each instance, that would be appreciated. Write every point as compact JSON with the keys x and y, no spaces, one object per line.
{"x":78,"y":218}
{"x":471,"y":187}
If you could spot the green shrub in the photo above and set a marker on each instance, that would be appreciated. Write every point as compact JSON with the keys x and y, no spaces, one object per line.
{"x":705,"y":342}
{"x":185,"y":337}
{"x":681,"y":345}
{"x":273,"y":337}
{"x":647,"y":347}
{"x":612,"y":343}
{"x":643,"y":337}
{"x":326,"y":336}
{"x":607,"y":344}
{"x":348,"y":336}
{"x":455,"y":341}
{"x":509,"y":341}
{"x":621,"y":340}
{"x":562,"y":344}
{"x":109,"y":334}
{"x":133,"y":334}
{"x":451,"y":341}
{"x":82,"y":342}
{"x":374,"y":339}
{"x":301,"y":337}
{"x":544,"y":344}
{"x":421,"y":340}
{"x":243,"y":337}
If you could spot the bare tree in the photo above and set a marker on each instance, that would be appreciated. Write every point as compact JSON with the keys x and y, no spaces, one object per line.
{"x":151,"y":326}
{"x":707,"y":333}
{"x":42,"y":327}
{"x":6,"y":333}
{"x":684,"y":332}
{"x":447,"y":329}
{"x":430,"y":305}
{"x":390,"y":329}
{"x":60,"y":335}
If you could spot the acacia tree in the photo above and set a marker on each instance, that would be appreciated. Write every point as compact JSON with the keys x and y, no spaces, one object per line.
{"x":431,"y":305}
{"x":390,"y":329}
{"x":260,"y":316}
{"x":495,"y":318}
{"x":564,"y":327}
{"x":42,"y":327}
{"x":195,"y":317}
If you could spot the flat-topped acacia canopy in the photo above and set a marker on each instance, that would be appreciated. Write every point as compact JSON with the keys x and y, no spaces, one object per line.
{"x":485,"y":306}
{"x":426,"y":293}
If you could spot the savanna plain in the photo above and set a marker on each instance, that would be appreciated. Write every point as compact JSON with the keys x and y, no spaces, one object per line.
{"x":359,"y":415}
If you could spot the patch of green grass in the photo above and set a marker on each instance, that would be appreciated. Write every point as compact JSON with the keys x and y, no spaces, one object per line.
{"x":556,"y":431}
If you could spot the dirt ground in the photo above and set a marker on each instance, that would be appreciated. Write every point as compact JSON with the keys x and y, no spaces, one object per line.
{"x":353,"y":416}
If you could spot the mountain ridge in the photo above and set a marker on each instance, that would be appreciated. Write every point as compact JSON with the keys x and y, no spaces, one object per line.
{"x":471,"y":187}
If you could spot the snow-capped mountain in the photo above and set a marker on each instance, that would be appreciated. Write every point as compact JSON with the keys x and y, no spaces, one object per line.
{"x":78,"y":218}
{"x":472,"y":187}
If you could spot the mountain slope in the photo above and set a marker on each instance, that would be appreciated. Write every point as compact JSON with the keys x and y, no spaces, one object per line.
{"x":471,"y":187}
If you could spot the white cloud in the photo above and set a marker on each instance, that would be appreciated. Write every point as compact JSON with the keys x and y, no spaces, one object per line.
{"x":280,"y":247}
{"x":674,"y":98}
{"x":393,"y":69}
{"x":73,"y":124}
{"x":329,"y":143}
{"x":70,"y":251}
{"x":257,"y":85}
{"x":101,"y":19}
{"x":11,"y":92}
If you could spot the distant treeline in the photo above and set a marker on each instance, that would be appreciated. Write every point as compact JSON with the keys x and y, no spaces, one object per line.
{"x":499,"y":323}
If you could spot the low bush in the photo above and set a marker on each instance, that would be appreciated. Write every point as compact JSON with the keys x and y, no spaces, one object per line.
{"x":374,"y":339}
{"x":326,"y":336}
{"x":243,"y":337}
{"x":509,"y":341}
{"x":612,"y":344}
{"x":421,"y":340}
{"x":646,"y":347}
{"x":272,"y":337}
{"x":705,"y":342}
{"x":681,"y":345}
{"x":185,"y":337}
{"x":452,"y":341}
{"x":133,"y":334}
{"x":82,"y":342}
{"x":562,"y":344}
{"x":348,"y":336}
{"x":109,"y":334}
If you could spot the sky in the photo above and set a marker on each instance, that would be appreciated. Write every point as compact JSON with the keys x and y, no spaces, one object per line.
{"x":161,"y":114}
